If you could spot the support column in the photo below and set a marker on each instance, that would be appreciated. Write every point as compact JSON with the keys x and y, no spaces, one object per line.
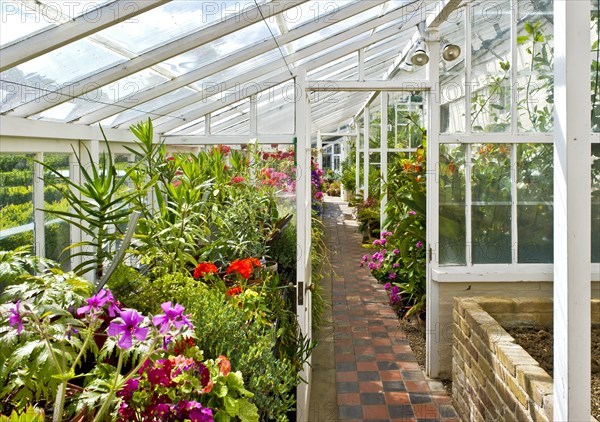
{"x":319,"y":149}
{"x":383,"y":162}
{"x":39,"y":230}
{"x":572,"y":211}
{"x":303,"y":227}
{"x":433,"y":330}
{"x":366,"y":118}
{"x":357,"y":164}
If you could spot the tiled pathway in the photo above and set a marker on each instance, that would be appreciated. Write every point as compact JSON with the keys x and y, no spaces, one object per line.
{"x":377,"y":375}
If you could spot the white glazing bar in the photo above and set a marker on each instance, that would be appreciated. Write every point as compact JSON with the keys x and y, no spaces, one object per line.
{"x":468,"y":65}
{"x":76,"y":234}
{"x":468,"y":199}
{"x":514,"y":230}
{"x":572,"y":210}
{"x":38,"y":204}
{"x":383,"y":157}
{"x":253,"y":116}
{"x":319,"y":149}
{"x":366,"y":118}
{"x":361,"y":64}
{"x":357,"y":164}
{"x":514,"y":93}
{"x":207,"y":124}
{"x":433,"y":329}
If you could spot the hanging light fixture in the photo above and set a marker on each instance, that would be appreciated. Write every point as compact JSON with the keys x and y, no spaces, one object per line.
{"x":420,"y":56}
{"x":450,"y":51}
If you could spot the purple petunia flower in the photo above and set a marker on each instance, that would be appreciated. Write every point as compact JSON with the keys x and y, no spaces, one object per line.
{"x":15,"y":319}
{"x":395,"y":265}
{"x":365,"y":257}
{"x":371,"y":265}
{"x":419,"y":244}
{"x":396,"y":251}
{"x":173,"y":315}
{"x":411,"y":212}
{"x":385,"y":233}
{"x":392,"y":276}
{"x":382,"y":242}
{"x":128,"y":328}
{"x":387,"y":286}
{"x":376,"y":242}
{"x":395,"y":290}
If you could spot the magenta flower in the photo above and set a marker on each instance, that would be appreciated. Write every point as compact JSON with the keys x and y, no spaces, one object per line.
{"x":386,"y":233}
{"x":396,"y":251}
{"x":387,"y":286}
{"x":97,"y":302}
{"x":15,"y":319}
{"x":419,"y":244}
{"x":392,"y":276}
{"x":376,"y":242}
{"x":395,"y":265}
{"x":382,"y":241}
{"x":173,"y":315}
{"x":411,"y":212}
{"x":130,"y":327}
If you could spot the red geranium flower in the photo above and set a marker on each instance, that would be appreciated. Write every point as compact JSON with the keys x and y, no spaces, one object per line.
{"x":242,"y":267}
{"x":204,"y":268}
{"x":234,"y":291}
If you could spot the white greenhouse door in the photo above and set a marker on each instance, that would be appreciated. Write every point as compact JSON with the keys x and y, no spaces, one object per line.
{"x":303,"y":227}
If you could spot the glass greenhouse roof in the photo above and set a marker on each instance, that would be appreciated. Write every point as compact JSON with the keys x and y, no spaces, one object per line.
{"x":177,"y":61}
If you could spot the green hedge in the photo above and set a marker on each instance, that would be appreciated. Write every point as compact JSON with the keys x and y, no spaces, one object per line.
{"x":14,"y":195}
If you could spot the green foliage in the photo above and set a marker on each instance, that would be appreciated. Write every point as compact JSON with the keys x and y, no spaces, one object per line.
{"x":224,"y":330}
{"x":30,"y":414}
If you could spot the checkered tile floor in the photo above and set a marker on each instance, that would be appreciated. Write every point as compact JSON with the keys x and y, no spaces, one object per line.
{"x":377,"y":375}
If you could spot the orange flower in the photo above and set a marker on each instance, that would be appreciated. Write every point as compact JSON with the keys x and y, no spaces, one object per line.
{"x":224,"y":365}
{"x":255,"y":262}
{"x":242,"y":267}
{"x":204,"y":268}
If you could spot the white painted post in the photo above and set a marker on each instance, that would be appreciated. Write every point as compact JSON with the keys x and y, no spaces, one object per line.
{"x":357,"y":164}
{"x":319,"y":149}
{"x":433,"y":329}
{"x":39,"y":230}
{"x":303,"y":227}
{"x":383,"y":162}
{"x":366,"y":118}
{"x":343,"y":156}
{"x":361,"y":64}
{"x":572,"y":211}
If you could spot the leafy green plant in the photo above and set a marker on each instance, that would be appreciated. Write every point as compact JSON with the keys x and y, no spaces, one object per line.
{"x":30,"y":414}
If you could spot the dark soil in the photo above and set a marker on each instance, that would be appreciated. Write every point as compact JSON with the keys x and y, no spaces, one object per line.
{"x":415,"y":334}
{"x":538,"y":342}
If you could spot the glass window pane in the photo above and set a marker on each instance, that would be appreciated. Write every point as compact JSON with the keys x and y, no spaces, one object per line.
{"x":535,"y":66}
{"x":16,"y":201}
{"x":491,"y":82}
{"x":57,"y":232}
{"x":452,"y":241}
{"x":491,"y":204}
{"x":18,"y":21}
{"x":405,"y":120}
{"x":452,"y":76}
{"x":535,"y":212}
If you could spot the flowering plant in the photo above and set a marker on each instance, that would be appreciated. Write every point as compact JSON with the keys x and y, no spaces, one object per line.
{"x":182,"y":386}
{"x":47,"y":346}
{"x":243,"y":267}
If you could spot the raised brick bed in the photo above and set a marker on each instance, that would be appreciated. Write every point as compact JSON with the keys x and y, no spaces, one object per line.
{"x":493,"y":377}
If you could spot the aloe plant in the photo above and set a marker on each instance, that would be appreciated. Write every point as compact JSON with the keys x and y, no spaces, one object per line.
{"x":98,"y":205}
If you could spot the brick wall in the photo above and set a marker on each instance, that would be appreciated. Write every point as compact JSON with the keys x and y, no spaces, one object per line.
{"x":494,"y":379}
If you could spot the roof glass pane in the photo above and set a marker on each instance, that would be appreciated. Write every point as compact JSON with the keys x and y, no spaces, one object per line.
{"x":19,"y":21}
{"x":171,"y":21}
{"x":51,"y":71}
{"x":311,"y":11}
{"x":276,"y":109}
{"x":101,"y":97}
{"x":335,"y":28}
{"x":23,"y":19}
{"x":239,"y":70}
{"x":211,"y":52}
{"x":145,"y":110}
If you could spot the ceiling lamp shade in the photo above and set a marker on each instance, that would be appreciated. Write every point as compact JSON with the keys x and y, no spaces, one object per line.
{"x":420,"y":56}
{"x":450,"y":51}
